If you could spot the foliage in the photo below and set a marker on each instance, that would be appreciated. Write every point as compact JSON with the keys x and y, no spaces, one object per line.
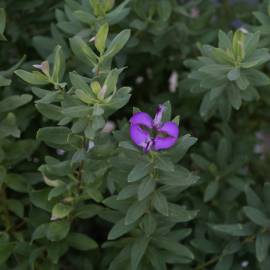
{"x":76,"y":192}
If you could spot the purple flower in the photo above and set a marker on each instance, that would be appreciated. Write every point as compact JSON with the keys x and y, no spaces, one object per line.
{"x":153,"y":134}
{"x":237,"y":23}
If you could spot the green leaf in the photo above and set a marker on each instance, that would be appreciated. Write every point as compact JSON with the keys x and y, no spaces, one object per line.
{"x":222,"y":56}
{"x":234,"y":74}
{"x":3,"y":173}
{"x":224,"y":41}
{"x":216,"y":92}
{"x":4,"y":81}
{"x":206,"y":246}
{"x":164,"y":9}
{"x":242,"y":82}
{"x":34,"y":78}
{"x":78,"y":82}
{"x":138,"y":249}
{"x":179,"y":213}
{"x":101,"y":37}
{"x":135,"y":211}
{"x":13,"y":102}
{"x":56,"y":192}
{"x":181,"y":148}
{"x":6,"y":250}
{"x":139,"y":171}
{"x":61,"y":210}
{"x":58,"y":65}
{"x":157,"y":260}
{"x":94,"y":194}
{"x":85,"y":17}
{"x":174,"y":247}
{"x":58,"y":230}
{"x":111,"y":81}
{"x":85,"y":97}
{"x":252,"y":42}
{"x":88,"y":211}
{"x":16,"y":207}
{"x":83,"y":51}
{"x":39,"y":199}
{"x":257,"y":78}
{"x":146,"y":187}
{"x":119,"y":229}
{"x":234,"y":229}
{"x":81,"y":242}
{"x":50,"y":111}
{"x":181,"y":177}
{"x":224,"y":263}
{"x":211,"y":191}
{"x":224,"y":152}
{"x":252,"y":198}
{"x":2,"y":24}
{"x":262,"y":245}
{"x":164,"y":164}
{"x":55,"y":135}
{"x":160,"y":203}
{"x":117,"y":44}
{"x":238,"y":45}
{"x":39,"y":232}
{"x":149,"y":224}
{"x":201,"y":162}
{"x":16,"y":182}
{"x":234,"y":97}
{"x":256,"y":216}
{"x":127,"y":192}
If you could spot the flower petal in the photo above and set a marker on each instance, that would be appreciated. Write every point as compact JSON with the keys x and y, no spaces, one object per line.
{"x":158,"y":116}
{"x":141,"y":118}
{"x":172,"y":130}
{"x":139,"y":136}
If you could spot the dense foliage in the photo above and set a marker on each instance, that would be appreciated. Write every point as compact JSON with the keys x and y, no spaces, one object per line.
{"x":77,"y":191}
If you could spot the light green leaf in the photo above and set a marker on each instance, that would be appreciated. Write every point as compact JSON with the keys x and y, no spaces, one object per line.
{"x":83,"y":51}
{"x":58,"y":65}
{"x":117,"y":44}
{"x":34,"y":78}
{"x":101,"y":37}
{"x":61,"y":210}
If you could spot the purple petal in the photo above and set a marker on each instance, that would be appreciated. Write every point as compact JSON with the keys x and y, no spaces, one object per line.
{"x":142,"y":118}
{"x":140,"y":137}
{"x":172,"y":131}
{"x":158,"y":116}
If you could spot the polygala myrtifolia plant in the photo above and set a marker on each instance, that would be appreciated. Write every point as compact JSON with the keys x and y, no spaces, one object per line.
{"x":228,"y":74}
{"x":133,"y":188}
{"x":94,"y":179}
